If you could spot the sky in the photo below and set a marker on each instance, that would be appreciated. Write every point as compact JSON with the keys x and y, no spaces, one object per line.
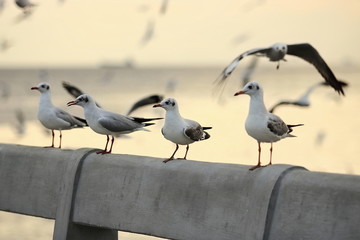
{"x":76,"y":33}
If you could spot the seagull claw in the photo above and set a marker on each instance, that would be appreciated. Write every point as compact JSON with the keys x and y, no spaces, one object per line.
{"x":255,"y":167}
{"x":167,"y":160}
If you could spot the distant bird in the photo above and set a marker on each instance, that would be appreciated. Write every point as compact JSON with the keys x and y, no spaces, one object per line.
{"x":262,"y":125}
{"x":145,"y":101}
{"x":19,"y":124}
{"x":179,"y":130}
{"x":2,"y":5}
{"x":277,"y":52}
{"x":5,"y":44}
{"x":149,"y":33}
{"x":164,"y":6}
{"x":52,"y":117}
{"x":303,"y":100}
{"x":108,"y":123}
{"x":5,"y":90}
{"x":155,"y":98}
{"x":25,"y":5}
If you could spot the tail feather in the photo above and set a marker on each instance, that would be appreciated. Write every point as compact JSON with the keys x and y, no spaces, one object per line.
{"x":141,"y":120}
{"x":81,"y":120}
{"x":290,"y":128}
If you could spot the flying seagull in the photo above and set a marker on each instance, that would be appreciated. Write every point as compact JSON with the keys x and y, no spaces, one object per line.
{"x":145,"y":101}
{"x":179,"y":130}
{"x":52,"y":117}
{"x":109,"y":123}
{"x":277,"y":52}
{"x":262,"y":125}
{"x":25,"y":5}
{"x":152,"y":99}
{"x":303,"y":100}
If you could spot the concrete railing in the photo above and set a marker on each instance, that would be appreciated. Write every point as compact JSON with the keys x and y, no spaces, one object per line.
{"x":92,"y":197}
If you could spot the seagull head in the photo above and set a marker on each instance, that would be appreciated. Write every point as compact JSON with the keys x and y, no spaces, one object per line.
{"x":251,"y":88}
{"x":280,"y":48}
{"x":42,"y":87}
{"x":82,"y":100}
{"x":167,"y":104}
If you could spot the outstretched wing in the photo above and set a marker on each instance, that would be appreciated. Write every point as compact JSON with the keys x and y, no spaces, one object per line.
{"x":221,"y":80}
{"x":311,"y":55}
{"x":145,"y":101}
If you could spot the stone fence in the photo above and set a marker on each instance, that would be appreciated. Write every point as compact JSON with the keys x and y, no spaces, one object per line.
{"x":93,"y":196}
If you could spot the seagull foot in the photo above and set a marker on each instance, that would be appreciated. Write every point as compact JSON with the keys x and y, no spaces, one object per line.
{"x":102,"y":152}
{"x":167,"y":160}
{"x":255,"y":167}
{"x":49,"y":147}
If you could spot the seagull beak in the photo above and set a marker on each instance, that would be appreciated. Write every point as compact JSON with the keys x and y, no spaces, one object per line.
{"x":71,"y":103}
{"x":34,"y":88}
{"x":239,"y":92}
{"x":157,"y":105}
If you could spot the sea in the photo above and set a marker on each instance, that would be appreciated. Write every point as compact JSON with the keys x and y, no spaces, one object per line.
{"x":329,"y":141}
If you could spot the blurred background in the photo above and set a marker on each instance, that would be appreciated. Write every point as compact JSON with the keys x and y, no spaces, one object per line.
{"x":121,"y":51}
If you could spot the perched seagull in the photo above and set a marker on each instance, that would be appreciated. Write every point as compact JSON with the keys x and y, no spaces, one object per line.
{"x":144,"y":102}
{"x":277,"y":52}
{"x":108,"y":123}
{"x":52,"y":117}
{"x":303,"y":100}
{"x":260,"y":124}
{"x":179,"y":130}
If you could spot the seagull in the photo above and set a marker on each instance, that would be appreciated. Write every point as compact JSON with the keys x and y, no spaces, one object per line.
{"x":262,"y":125}
{"x":179,"y":130}
{"x":277,"y":52}
{"x":109,"y":123}
{"x":52,"y":117}
{"x":25,"y":5}
{"x":155,"y":98}
{"x":144,"y":102}
{"x":148,"y":34}
{"x":303,"y":100}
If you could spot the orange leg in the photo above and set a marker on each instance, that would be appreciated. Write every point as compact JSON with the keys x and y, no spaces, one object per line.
{"x":259,"y":163}
{"x":172,"y":156}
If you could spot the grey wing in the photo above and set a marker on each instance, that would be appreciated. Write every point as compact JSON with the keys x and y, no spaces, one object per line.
{"x":195,"y":132}
{"x":311,"y":55}
{"x":119,"y":123}
{"x":68,"y":118}
{"x":221,"y":80}
{"x":277,"y":126}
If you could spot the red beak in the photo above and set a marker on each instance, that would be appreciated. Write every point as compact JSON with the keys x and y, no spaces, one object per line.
{"x":157,"y":105}
{"x":71,"y":103}
{"x":239,"y":92}
{"x":34,"y":88}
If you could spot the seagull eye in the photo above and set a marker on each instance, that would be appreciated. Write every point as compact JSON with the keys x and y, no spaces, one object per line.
{"x":257,"y":87}
{"x":250,"y":87}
